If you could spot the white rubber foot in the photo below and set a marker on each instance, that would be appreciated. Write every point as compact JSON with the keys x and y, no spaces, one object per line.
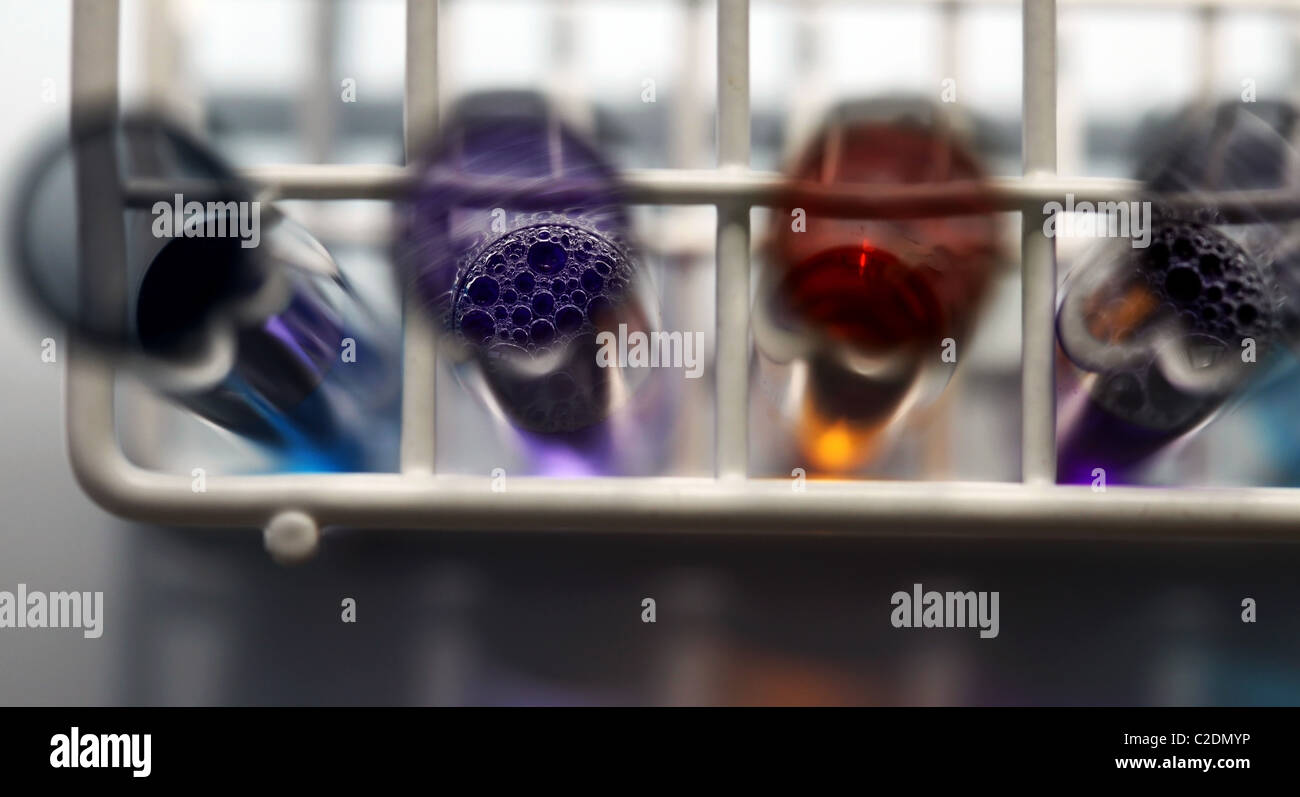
{"x":291,"y":537}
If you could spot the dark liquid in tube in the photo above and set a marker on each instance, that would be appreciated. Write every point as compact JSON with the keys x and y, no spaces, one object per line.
{"x":288,"y":386}
{"x":518,"y":243}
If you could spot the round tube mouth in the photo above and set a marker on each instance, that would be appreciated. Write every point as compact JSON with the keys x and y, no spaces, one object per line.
{"x":1188,"y":306}
{"x":85,"y":210}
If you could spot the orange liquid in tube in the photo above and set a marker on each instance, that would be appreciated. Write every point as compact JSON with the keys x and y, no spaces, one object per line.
{"x":892,"y":288}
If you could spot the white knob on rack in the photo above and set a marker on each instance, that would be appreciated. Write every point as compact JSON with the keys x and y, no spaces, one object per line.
{"x":291,"y":537}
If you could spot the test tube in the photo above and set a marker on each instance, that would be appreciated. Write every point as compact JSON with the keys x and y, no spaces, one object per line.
{"x":867,"y":304}
{"x":222,"y":302}
{"x":518,"y":242}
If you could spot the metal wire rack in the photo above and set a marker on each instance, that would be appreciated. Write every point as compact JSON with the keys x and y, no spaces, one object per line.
{"x":292,"y":509}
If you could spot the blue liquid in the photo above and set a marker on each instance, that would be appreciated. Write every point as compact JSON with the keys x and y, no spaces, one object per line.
{"x":289,"y":389}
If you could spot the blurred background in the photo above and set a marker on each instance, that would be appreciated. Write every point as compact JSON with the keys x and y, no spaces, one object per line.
{"x":204,"y":617}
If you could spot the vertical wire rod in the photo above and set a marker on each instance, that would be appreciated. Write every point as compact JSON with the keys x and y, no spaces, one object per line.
{"x":731,"y":360}
{"x":1037,"y":251}
{"x":419,"y":348}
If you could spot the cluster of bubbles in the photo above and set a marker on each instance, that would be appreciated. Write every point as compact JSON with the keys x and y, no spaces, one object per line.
{"x":1219,"y":296}
{"x":1209,"y":281}
{"x":539,"y":286}
{"x":531,"y":302}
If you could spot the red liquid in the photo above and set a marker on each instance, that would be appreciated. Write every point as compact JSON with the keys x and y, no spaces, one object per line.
{"x":878,"y":286}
